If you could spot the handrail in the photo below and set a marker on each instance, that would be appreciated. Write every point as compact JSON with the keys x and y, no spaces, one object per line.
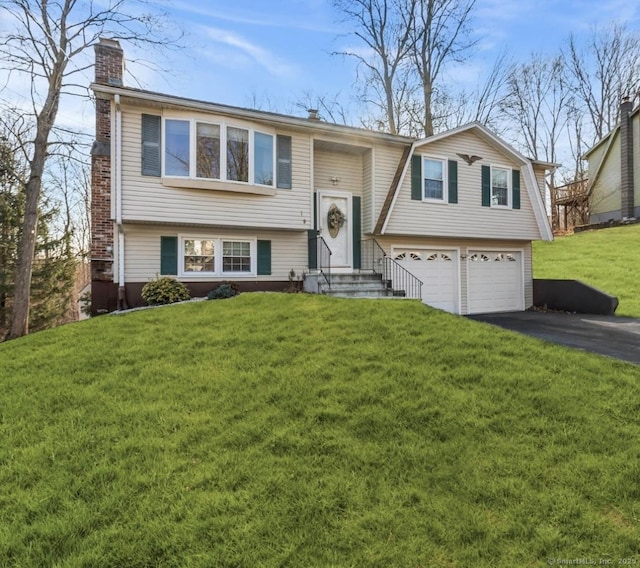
{"x":399,"y":281}
{"x":321,"y":254}
{"x":402,"y":282}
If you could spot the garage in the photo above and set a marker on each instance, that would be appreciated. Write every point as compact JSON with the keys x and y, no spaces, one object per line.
{"x":438,"y":271}
{"x":495,"y":281}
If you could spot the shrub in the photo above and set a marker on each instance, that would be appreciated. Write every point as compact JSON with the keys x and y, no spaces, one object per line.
{"x":225,"y":290}
{"x":164,"y":290}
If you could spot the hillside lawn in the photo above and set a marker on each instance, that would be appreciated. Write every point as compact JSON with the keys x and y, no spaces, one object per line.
{"x":275,"y":430}
{"x":608,"y":259}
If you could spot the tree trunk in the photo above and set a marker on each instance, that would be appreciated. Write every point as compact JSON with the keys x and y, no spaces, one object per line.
{"x":26,"y":249}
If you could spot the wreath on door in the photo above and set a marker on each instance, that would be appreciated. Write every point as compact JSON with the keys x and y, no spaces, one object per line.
{"x":335,"y":220}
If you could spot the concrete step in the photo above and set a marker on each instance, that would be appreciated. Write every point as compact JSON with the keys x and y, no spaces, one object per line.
{"x":357,"y":293}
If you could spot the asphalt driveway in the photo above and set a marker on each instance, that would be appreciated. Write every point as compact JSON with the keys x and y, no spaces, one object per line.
{"x":616,"y":337}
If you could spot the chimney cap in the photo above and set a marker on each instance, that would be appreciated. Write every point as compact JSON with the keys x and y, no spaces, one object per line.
{"x":313,"y":114}
{"x":108,"y":42}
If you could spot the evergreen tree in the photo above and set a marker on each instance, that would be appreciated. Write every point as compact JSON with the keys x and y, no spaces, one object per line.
{"x":54,"y":263}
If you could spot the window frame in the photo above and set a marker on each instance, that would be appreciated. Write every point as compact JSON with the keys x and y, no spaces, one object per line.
{"x":445,"y":178}
{"x":509,"y":172}
{"x":218,"y":247}
{"x":223,"y":126}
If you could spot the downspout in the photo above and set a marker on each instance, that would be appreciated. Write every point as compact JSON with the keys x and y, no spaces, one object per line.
{"x":122,"y":299}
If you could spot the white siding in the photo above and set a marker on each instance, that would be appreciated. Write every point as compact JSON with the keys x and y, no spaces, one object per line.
{"x":367,"y":197}
{"x":464,"y":246}
{"x":467,"y":218}
{"x":146,"y":199}
{"x":142,"y":251}
{"x":386,"y":164}
{"x":345,"y":166}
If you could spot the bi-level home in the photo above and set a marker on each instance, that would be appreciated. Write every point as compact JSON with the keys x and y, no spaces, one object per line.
{"x":206,"y":193}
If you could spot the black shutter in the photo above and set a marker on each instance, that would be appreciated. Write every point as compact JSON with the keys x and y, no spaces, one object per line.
{"x":313,"y":248}
{"x":151,"y":128}
{"x":283,"y":158}
{"x":264,"y":257}
{"x":356,"y":226}
{"x":486,"y":186}
{"x":515,"y":188}
{"x":169,"y":255}
{"x":416,"y":177}
{"x":453,"y":181}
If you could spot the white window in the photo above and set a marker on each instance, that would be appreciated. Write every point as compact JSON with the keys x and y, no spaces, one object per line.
{"x":217,"y":256}
{"x":194,"y":149}
{"x":434,"y":173}
{"x":500,"y":187}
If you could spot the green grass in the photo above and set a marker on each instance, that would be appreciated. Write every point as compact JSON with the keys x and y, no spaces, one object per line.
{"x":277,"y":430}
{"x":608,"y":259}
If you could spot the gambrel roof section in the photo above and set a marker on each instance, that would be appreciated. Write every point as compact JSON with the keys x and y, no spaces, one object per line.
{"x":485,"y":134}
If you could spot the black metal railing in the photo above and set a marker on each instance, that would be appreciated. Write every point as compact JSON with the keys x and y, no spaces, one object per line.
{"x":320,"y":257}
{"x":399,"y":281}
{"x":371,"y":256}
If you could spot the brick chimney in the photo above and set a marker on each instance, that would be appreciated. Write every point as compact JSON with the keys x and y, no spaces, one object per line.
{"x":626,"y":159}
{"x":109,"y":70}
{"x":109,"y":62}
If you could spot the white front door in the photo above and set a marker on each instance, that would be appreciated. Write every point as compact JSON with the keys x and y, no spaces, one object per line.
{"x":334,"y":225}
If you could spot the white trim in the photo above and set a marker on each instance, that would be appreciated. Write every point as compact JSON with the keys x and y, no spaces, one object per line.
{"x":505,"y":250}
{"x":349,"y":197}
{"x":224,"y":139}
{"x":445,"y":178}
{"x":456,"y":250}
{"x":218,"y":248}
{"x":509,"y":171}
{"x":117,"y":167}
{"x":372,"y":189}
{"x":537,"y":204}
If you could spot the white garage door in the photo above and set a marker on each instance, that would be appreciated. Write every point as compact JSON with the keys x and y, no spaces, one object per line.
{"x":438,"y":271}
{"x":495,"y":281}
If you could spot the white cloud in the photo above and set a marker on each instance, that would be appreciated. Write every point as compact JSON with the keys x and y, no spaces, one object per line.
{"x":252,"y":52}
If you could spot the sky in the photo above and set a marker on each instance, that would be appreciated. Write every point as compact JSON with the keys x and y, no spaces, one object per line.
{"x":274,"y":53}
{"x":278,"y":55}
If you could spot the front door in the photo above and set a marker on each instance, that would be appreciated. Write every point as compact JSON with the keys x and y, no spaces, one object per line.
{"x":334,"y":225}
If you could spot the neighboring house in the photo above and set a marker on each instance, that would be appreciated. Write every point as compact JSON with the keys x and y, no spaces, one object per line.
{"x":614,"y":170}
{"x":209,"y":193}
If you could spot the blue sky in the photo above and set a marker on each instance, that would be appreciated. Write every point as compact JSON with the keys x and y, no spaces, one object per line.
{"x":274,"y":53}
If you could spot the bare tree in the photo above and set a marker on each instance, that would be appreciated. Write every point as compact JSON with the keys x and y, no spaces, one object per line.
{"x":603,"y":71}
{"x":440,"y":35}
{"x":384,"y":27}
{"x":45,"y":48}
{"x":536,"y":104}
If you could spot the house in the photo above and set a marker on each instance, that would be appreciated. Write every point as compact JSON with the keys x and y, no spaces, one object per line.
{"x":614,"y":170}
{"x":207,"y":193}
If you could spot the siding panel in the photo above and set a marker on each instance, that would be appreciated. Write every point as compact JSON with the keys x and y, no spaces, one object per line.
{"x":467,"y":218}
{"x":146,"y":199}
{"x":142,"y":251}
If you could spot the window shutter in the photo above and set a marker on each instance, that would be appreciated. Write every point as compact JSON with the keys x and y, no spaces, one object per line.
{"x":356,"y":226}
{"x":453,"y":181}
{"x":515,"y":188}
{"x":486,"y":186}
{"x":416,"y":177}
{"x":283,"y":157}
{"x":264,"y":257}
{"x":169,"y":255}
{"x":313,"y":249}
{"x":151,"y":129}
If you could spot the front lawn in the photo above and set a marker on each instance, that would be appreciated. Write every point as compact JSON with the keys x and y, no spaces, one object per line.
{"x":608,"y":259}
{"x":277,"y":430}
